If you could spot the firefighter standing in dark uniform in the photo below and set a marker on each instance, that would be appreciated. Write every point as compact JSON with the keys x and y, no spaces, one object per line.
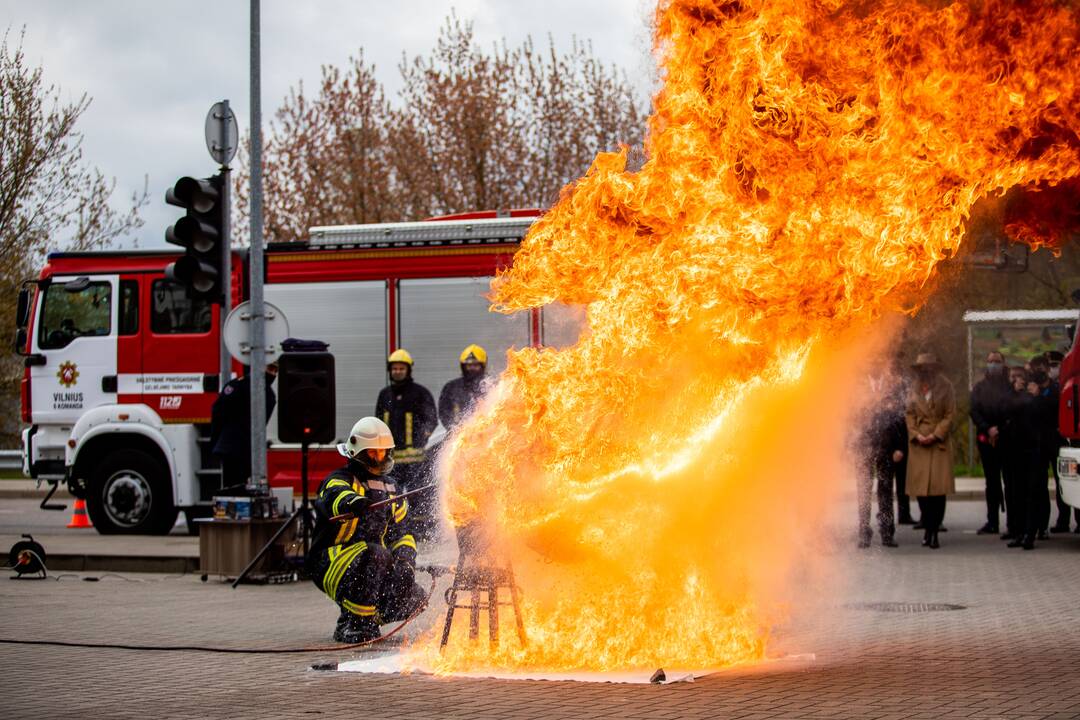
{"x":230,"y":426}
{"x":409,"y":410}
{"x":458,"y":395}
{"x":364,"y":562}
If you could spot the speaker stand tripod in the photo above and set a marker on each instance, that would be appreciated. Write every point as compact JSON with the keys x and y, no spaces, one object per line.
{"x":301,"y":512}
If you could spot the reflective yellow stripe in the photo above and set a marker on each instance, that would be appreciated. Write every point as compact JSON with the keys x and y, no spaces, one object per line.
{"x":400,"y":510}
{"x":361,"y":610}
{"x":406,"y":541}
{"x":345,"y":495}
{"x":339,"y":565}
{"x":350,"y":529}
{"x":345,"y":532}
{"x":408,"y":429}
{"x":386,"y":417}
{"x":337,"y":482}
{"x":358,"y":488}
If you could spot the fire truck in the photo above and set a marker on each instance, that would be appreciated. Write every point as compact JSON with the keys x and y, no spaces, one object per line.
{"x":1069,"y":425}
{"x":122,"y":366}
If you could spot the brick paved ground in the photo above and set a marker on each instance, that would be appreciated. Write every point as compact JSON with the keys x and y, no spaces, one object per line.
{"x":1014,"y":653}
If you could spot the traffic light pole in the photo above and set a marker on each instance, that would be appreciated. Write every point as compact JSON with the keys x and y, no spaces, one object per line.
{"x":225,"y":364}
{"x":258,"y":343}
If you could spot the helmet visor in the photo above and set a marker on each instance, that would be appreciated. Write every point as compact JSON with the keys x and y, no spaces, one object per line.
{"x":378,"y":461}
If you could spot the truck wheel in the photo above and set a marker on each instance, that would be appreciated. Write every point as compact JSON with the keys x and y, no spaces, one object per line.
{"x":128,"y":493}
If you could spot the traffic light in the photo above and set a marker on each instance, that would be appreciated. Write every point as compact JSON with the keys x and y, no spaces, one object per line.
{"x":201,"y":233}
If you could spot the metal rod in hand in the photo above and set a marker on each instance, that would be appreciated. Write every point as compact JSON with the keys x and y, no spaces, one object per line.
{"x":381,"y":503}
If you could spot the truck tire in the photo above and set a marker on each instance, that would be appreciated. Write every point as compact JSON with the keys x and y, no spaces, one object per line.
{"x":128,"y":493}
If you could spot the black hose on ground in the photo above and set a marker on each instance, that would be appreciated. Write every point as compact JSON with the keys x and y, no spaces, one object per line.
{"x":433,"y":571}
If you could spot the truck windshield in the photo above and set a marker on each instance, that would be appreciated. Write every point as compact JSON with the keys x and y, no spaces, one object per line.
{"x":68,"y":315}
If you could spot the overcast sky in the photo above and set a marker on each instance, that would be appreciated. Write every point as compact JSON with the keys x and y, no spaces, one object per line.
{"x":154,"y":68}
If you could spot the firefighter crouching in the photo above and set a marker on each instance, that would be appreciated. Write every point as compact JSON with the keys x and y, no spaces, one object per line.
{"x":365,"y":563}
{"x":408,"y":409}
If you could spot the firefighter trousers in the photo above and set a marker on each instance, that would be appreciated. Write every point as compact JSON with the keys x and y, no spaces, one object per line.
{"x":364,"y":579}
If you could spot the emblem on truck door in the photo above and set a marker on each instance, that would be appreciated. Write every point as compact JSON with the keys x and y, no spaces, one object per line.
{"x":68,"y":374}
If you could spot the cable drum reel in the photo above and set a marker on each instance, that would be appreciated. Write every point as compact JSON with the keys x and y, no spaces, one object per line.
{"x":27,"y":558}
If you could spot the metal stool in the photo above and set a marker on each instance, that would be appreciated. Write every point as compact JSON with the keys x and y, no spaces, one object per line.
{"x":478,"y":579}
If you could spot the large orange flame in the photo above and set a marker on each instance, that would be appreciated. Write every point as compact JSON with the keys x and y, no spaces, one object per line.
{"x":808,"y":166}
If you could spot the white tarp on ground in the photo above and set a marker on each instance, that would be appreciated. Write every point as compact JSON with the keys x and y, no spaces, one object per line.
{"x":393,"y":663}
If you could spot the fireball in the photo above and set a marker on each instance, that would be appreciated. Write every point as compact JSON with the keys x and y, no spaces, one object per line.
{"x":658,"y":486}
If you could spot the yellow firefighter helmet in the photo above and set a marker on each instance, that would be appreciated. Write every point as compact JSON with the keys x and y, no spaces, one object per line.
{"x":473,"y":352}
{"x":400,"y":355}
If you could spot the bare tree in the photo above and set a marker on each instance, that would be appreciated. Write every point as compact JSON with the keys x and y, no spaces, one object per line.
{"x":49,"y":197}
{"x":472,"y":129}
{"x":325,"y":159}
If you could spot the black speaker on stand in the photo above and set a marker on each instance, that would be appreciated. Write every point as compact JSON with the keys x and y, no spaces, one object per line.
{"x":306,"y":413}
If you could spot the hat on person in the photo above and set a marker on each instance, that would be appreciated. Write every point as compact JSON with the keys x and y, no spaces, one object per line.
{"x":926,"y":359}
{"x":1054,"y":356}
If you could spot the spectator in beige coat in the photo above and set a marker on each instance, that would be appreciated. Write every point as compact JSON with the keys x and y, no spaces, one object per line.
{"x":931,"y":408}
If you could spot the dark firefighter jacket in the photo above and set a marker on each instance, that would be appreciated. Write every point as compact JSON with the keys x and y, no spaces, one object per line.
{"x":350,"y":490}
{"x":990,"y":399}
{"x":409,"y":409}
{"x":885,"y":434}
{"x":230,"y":422}
{"x":457,"y":398}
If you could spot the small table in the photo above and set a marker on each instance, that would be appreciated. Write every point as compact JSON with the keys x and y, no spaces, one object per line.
{"x":227,"y":545}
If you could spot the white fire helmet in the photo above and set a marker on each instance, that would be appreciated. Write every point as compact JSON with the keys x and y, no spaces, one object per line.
{"x":369,"y":433}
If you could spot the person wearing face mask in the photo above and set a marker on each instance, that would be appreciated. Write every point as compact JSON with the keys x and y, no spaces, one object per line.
{"x":989,"y":401}
{"x":362,"y":557}
{"x":230,"y":426}
{"x":408,"y":408}
{"x":459,"y":395}
{"x":931,"y":408}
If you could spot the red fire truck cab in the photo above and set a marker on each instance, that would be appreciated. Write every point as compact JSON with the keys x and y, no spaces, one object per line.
{"x":122,"y":367}
{"x":1069,"y":425}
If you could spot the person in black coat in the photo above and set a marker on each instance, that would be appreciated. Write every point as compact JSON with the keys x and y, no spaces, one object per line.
{"x":458,"y":396}
{"x":989,"y":400}
{"x":230,"y":426}
{"x":409,"y":410}
{"x":1020,"y":440}
{"x":884,"y":456}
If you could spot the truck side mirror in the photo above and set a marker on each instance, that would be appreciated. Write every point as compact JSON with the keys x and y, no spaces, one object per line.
{"x":20,"y":341}
{"x":22,"y":309}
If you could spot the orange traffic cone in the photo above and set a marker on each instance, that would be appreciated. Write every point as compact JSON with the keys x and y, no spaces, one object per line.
{"x":79,"y":518}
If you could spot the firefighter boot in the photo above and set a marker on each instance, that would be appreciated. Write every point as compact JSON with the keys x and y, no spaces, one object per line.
{"x":404,"y":605}
{"x":353,"y":629}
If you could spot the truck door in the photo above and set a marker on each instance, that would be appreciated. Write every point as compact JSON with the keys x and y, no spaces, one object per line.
{"x":179,"y":353}
{"x":74,"y":348}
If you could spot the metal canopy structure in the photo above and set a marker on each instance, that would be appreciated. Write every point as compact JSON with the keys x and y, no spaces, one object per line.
{"x":1032,"y":318}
